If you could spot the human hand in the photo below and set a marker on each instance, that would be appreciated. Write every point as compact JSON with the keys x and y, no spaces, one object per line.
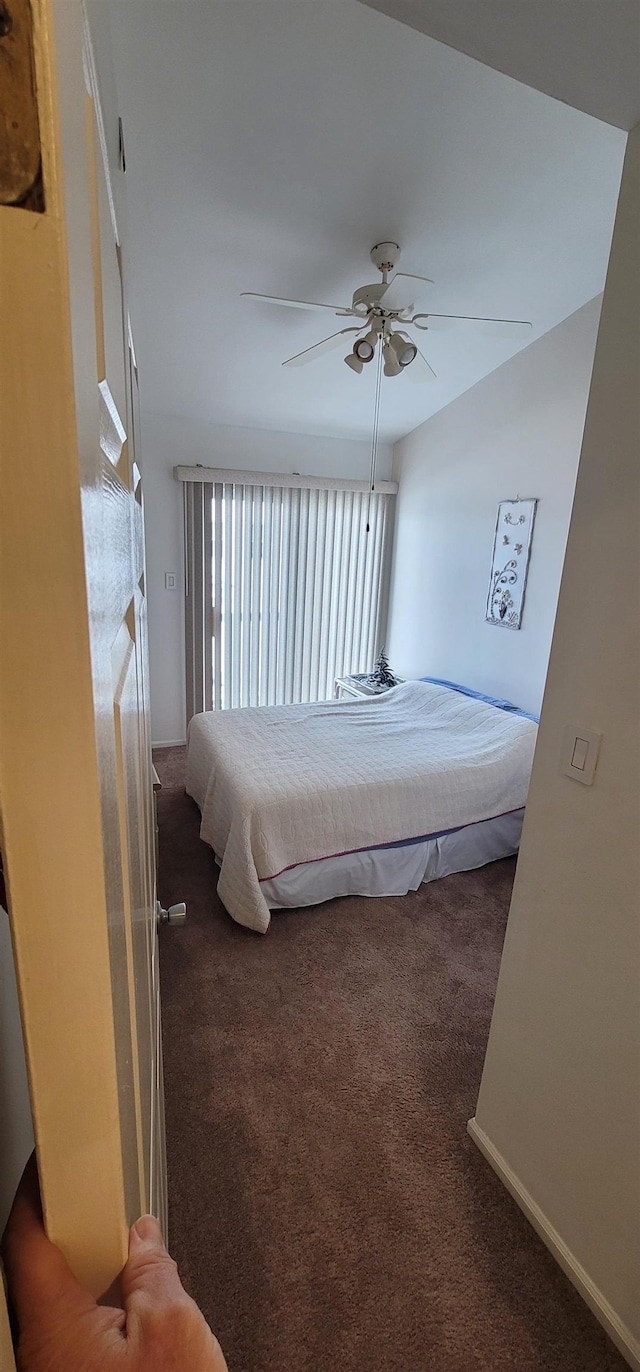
{"x":62,"y":1329}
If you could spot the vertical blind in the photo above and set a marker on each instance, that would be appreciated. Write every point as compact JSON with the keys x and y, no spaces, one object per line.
{"x":286,"y":587}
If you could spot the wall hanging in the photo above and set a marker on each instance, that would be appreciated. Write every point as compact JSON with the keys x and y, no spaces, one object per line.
{"x":510,"y":562}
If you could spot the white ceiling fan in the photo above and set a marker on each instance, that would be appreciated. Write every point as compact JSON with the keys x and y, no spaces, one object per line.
{"x":385,"y":310}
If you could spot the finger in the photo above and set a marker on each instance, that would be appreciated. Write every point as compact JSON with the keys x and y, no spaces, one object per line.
{"x":40,"y":1278}
{"x":149,"y":1270}
{"x":160,"y":1315}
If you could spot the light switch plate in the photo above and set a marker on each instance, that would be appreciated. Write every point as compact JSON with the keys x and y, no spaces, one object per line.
{"x":170,"y":581}
{"x":580,"y":748}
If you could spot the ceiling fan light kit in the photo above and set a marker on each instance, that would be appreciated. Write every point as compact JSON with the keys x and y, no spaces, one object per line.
{"x":404,"y":349}
{"x":392,"y":366}
{"x":365,"y":347}
{"x":353,"y":361}
{"x":381,"y":307}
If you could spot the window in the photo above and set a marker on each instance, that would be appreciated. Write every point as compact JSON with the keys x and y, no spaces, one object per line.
{"x":286,"y":584}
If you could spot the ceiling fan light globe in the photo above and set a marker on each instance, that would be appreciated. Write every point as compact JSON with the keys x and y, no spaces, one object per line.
{"x":407,"y":354}
{"x":365,"y":347}
{"x":404,"y":349}
{"x":391,"y":364}
{"x":353,"y":361}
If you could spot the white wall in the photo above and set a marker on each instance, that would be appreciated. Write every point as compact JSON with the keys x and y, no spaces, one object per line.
{"x":517,"y":432}
{"x":168,"y":441}
{"x":559,"y":1102}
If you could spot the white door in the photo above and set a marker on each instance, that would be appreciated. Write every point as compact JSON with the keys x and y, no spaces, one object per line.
{"x":75,"y":766}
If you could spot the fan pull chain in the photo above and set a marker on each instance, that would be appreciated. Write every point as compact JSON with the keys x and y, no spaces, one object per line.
{"x":376,"y":418}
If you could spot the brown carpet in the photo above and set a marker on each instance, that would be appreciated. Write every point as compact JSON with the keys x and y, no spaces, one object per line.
{"x":328,"y":1210}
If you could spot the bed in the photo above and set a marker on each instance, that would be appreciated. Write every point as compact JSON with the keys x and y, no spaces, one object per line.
{"x":369,"y":796}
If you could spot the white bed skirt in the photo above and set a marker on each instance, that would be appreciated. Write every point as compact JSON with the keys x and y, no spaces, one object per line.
{"x":394,"y":871}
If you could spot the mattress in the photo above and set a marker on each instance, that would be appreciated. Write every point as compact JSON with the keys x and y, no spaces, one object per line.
{"x":287,"y":785}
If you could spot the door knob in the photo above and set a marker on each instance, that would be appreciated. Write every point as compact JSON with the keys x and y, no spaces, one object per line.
{"x":176,"y":914}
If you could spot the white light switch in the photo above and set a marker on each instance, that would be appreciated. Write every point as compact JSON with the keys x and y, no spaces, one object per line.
{"x":170,"y":581}
{"x":580,"y":749}
{"x":580,"y":754}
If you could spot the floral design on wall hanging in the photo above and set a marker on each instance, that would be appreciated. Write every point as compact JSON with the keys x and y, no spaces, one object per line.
{"x":509,"y":569}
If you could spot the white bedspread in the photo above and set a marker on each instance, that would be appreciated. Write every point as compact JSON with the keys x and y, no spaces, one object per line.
{"x":292,"y":783}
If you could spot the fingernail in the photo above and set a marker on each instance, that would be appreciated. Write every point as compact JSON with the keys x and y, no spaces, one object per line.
{"x":147,"y":1230}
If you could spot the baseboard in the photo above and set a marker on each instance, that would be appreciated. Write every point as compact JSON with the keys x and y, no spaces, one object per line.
{"x":618,"y":1332}
{"x":171,"y":743}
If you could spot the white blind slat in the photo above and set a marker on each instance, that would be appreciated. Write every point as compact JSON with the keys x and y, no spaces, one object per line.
{"x":317,"y":610}
{"x":367,"y":588}
{"x":338,"y":542}
{"x":217,"y":553}
{"x":286,"y":575}
{"x":235,"y":627}
{"x":265,"y":598}
{"x":385,"y":569}
{"x":291,"y":631}
{"x":255,"y":603}
{"x":358,"y":595}
{"x":325,"y":686}
{"x":298,"y":622}
{"x":349,"y":586}
{"x":341,"y":606}
{"x":274,"y":599}
{"x":309,"y":623}
{"x":375,"y":643}
{"x":207,"y":596}
{"x":227,"y":585}
{"x":245,"y":612}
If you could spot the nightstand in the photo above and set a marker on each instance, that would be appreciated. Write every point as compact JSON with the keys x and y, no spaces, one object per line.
{"x":358,"y":685}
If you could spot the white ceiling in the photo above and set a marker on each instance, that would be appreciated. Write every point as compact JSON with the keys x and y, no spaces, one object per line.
{"x":584,"y":52}
{"x":270,"y":144}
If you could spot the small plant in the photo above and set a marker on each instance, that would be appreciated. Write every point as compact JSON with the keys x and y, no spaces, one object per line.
{"x":382,"y":674}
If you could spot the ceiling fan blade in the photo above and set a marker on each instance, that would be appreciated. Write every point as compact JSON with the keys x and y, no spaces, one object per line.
{"x":496,"y":328}
{"x":402,"y":292}
{"x":317,"y":349}
{"x":296,"y":304}
{"x":420,"y":370}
